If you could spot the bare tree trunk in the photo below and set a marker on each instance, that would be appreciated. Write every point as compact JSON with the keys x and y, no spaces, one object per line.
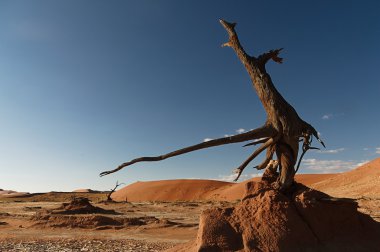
{"x":281,"y":132}
{"x":113,"y":190}
{"x":281,"y":116}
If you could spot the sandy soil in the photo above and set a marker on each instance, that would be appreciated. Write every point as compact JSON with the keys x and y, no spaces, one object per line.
{"x":177,"y":223}
{"x":173,"y":223}
{"x":157,"y":215}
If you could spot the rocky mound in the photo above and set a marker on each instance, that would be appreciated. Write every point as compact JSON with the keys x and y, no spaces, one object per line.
{"x":90,"y":221}
{"x":80,"y":213}
{"x":362,"y":181}
{"x":302,"y":220}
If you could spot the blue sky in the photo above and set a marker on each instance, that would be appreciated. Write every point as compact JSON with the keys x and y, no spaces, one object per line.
{"x":87,"y":85}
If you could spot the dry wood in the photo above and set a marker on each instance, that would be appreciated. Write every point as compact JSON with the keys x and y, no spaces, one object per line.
{"x":113,"y":190}
{"x":261,"y":132}
{"x":282,"y":131}
{"x":269,"y":142}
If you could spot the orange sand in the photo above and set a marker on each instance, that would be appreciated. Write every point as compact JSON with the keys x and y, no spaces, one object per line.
{"x":362,"y":181}
{"x":195,"y":189}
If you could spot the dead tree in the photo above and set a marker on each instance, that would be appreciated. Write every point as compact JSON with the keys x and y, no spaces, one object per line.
{"x":113,"y":190}
{"x":282,"y":131}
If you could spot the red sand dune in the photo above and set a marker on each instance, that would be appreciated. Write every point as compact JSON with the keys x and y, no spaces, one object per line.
{"x":169,"y":190}
{"x":309,"y":179}
{"x":194,"y":189}
{"x":362,"y":181}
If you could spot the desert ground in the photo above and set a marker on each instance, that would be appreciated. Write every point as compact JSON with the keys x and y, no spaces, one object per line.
{"x":148,"y":216}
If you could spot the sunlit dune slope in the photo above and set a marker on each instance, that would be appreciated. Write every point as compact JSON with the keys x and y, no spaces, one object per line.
{"x":362,"y":181}
{"x":169,"y":190}
{"x":195,"y":189}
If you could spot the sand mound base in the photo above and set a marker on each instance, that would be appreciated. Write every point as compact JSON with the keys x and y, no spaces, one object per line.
{"x":90,"y":221}
{"x":268,"y":220}
{"x":80,"y":206}
{"x":79,"y":213}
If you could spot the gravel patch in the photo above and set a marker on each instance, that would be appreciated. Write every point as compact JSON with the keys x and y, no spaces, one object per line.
{"x":73,"y":245}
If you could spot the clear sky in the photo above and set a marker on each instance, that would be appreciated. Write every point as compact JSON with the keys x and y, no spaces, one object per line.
{"x":87,"y":85}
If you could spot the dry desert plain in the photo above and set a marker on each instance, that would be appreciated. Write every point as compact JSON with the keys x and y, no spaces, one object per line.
{"x":148,"y":216}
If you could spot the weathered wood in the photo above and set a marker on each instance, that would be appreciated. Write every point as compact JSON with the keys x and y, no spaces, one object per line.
{"x":283,"y":128}
{"x":113,"y":190}
{"x":281,"y":115}
{"x":269,"y":156}
{"x":264,"y":131}
{"x":271,"y":141}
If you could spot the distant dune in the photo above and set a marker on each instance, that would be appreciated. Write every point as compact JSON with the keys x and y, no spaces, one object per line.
{"x":85,"y":191}
{"x":362,"y":181}
{"x":6,"y":191}
{"x":196,"y":189}
{"x":10,"y":193}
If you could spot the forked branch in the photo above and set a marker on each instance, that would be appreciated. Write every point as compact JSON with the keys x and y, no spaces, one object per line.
{"x":270,"y":142}
{"x":272,"y":54}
